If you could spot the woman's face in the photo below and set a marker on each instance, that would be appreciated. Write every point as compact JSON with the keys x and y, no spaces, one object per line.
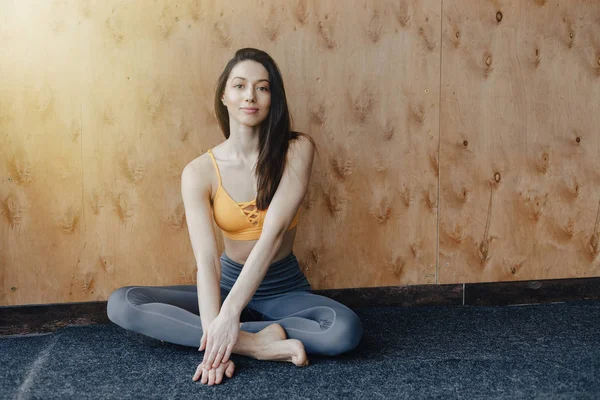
{"x":247,"y":94}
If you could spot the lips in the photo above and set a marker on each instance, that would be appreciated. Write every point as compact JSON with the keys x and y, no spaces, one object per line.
{"x":249,"y":110}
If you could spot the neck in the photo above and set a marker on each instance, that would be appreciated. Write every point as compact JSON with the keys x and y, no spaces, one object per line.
{"x":243,"y":141}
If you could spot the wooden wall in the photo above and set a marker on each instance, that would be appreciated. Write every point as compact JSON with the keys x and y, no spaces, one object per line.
{"x":486,"y":111}
{"x":519,"y":141}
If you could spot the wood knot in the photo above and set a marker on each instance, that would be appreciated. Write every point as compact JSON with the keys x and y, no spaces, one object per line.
{"x":326,"y":35}
{"x":319,"y":113}
{"x":363,"y":105}
{"x":418,"y":113}
{"x":271,"y":28}
{"x":155,"y":102}
{"x":406,"y":195}
{"x":484,"y":249}
{"x":497,"y":177}
{"x":462,"y":193}
{"x":573,"y":187}
{"x":543,"y":162}
{"x":106,"y":263}
{"x":427,"y":35}
{"x":68,"y":221}
{"x":177,"y":217}
{"x":341,"y":167}
{"x":488,"y":68}
{"x":499,"y":16}
{"x":382,"y":212}
{"x":594,"y":248}
{"x":431,"y":200}
{"x":20,"y":168}
{"x":396,"y":266}
{"x":375,"y":28}
{"x":569,"y":228}
{"x":301,"y":13}
{"x":135,"y":170}
{"x":457,"y":234}
{"x":315,"y":255}
{"x":14,"y":210}
{"x":332,"y":202}
{"x":415,"y":249}
{"x":402,"y":16}
{"x":126,"y":207}
{"x":538,"y":58}
{"x":96,"y":202}
{"x":516,"y":267}
{"x":434,"y":162}
{"x":223,"y":34}
{"x":388,"y":131}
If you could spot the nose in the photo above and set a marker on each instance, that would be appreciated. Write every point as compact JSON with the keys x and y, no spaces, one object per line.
{"x":250,"y":94}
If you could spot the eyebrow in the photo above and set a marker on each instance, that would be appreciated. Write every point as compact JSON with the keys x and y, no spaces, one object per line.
{"x":260,"y":80}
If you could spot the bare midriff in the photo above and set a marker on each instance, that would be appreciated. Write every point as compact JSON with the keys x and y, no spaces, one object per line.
{"x":239,"y":250}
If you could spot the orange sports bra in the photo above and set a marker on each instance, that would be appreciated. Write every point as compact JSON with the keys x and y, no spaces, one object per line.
{"x":238,"y":221}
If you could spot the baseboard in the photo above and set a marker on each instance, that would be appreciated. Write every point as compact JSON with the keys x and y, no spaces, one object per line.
{"x":30,"y":319}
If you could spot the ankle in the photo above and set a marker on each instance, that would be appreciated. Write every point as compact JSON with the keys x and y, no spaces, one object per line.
{"x":247,"y":344}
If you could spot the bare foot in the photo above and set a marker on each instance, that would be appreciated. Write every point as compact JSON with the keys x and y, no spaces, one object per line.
{"x":270,"y":334}
{"x":273,"y":346}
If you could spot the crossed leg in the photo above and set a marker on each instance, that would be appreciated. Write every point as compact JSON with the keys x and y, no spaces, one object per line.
{"x":323,"y":325}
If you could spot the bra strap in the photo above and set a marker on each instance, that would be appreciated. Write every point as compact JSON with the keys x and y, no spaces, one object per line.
{"x":212,"y":157}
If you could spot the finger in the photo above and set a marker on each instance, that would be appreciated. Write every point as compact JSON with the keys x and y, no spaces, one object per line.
{"x":211,"y":358}
{"x":202,"y":342}
{"x":207,"y":351}
{"x":204,"y":376}
{"x":219,"y":357}
{"x":197,"y":373}
{"x":211,"y":377}
{"x":219,"y":374}
{"x":230,"y":369}
{"x":228,"y":353}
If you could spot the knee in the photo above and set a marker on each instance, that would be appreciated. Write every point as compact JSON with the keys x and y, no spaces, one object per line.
{"x":345,"y":333}
{"x":118,"y":308}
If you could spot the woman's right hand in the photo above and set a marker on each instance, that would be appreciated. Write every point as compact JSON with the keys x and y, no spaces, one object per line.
{"x":214,"y":376}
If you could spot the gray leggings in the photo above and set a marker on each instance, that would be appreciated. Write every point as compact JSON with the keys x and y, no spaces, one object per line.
{"x":170,"y":313}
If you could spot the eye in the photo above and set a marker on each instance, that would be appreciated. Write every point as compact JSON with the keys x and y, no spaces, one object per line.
{"x":237,"y":84}
{"x":264,"y":87}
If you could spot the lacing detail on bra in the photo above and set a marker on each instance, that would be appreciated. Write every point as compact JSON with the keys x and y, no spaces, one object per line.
{"x":250,"y":211}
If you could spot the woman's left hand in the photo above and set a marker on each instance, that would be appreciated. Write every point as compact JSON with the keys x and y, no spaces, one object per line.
{"x":219,"y":339}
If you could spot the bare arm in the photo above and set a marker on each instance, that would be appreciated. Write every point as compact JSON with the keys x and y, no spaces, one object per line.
{"x":283,"y":207}
{"x":195,"y":190}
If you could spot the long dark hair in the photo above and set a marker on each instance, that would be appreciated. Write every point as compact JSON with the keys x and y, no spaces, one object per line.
{"x":275,"y":131}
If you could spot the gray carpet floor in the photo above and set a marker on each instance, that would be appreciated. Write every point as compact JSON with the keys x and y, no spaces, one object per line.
{"x":547,"y":351}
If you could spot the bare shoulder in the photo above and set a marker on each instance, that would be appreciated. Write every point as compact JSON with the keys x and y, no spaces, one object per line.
{"x":197,"y":175}
{"x":301,"y":150}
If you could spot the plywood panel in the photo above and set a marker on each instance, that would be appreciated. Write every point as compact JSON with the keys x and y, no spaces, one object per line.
{"x":137,"y":82}
{"x":102,"y":104}
{"x":371,"y":92}
{"x":520,"y":148}
{"x":41,"y":233}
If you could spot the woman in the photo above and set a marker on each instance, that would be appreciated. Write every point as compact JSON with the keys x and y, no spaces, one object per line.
{"x":263,"y":160}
